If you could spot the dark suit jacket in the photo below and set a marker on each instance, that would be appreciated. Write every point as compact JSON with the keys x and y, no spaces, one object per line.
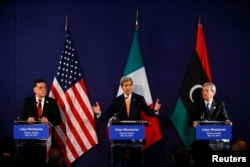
{"x":217,"y":111}
{"x":50,"y":110}
{"x":137,"y":104}
{"x":118,"y":106}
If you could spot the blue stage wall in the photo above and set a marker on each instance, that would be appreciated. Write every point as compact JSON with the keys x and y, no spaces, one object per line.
{"x":32,"y":38}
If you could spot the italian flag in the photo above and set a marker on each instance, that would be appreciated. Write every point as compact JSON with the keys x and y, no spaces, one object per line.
{"x":135,"y":69}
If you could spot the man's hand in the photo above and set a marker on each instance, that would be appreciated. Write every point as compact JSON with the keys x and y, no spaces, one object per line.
{"x":195,"y":123}
{"x":31,"y":120}
{"x":44,"y":120}
{"x":96,"y":109}
{"x":228,"y":122}
{"x":157,"y":105}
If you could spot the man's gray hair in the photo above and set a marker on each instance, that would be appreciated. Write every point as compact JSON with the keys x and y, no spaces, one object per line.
{"x":211,"y":86}
{"x":125,"y":79}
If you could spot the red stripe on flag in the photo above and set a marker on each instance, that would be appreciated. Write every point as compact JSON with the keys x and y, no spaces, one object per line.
{"x":61,"y":143}
{"x":48,"y":144}
{"x":152,"y":132}
{"x":55,"y":92}
{"x":71,"y":127}
{"x":202,"y":51}
{"x":59,"y":140}
{"x":63,"y":126}
{"x":87,"y":113}
{"x":77,"y":133}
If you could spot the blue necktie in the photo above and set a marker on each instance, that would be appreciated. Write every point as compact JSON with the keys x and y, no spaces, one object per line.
{"x":207,"y":109}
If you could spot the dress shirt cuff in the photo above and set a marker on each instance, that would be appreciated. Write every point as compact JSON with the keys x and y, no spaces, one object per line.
{"x":156,"y":112}
{"x":98,"y":115}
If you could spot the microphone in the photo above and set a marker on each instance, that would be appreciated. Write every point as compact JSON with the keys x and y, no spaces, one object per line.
{"x":202,"y":118}
{"x":116,"y":115}
{"x":17,"y":120}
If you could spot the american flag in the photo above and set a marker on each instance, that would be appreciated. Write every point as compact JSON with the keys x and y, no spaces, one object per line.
{"x":77,"y":132}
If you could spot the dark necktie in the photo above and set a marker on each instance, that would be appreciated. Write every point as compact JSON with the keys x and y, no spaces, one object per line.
{"x":207,"y":109}
{"x":39,"y":108}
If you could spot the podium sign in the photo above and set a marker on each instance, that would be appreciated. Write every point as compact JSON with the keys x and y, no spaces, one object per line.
{"x":32,"y":131}
{"x":213,"y":132}
{"x":126,"y":132}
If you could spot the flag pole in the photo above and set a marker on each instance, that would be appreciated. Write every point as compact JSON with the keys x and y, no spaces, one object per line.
{"x":137,"y":21}
{"x":66,"y":23}
{"x":199,"y":19}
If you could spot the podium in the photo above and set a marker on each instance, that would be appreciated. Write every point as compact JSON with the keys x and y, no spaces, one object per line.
{"x":127,"y":134}
{"x":32,"y":140}
{"x":217,"y":132}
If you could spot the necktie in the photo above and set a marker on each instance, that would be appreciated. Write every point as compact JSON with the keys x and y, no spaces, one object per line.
{"x":39,"y":108}
{"x":127,"y":105}
{"x":207,"y":109}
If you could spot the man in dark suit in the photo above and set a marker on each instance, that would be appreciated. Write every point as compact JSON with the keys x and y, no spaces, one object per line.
{"x":49,"y":108}
{"x":127,"y":106}
{"x":40,"y":108}
{"x":208,"y":108}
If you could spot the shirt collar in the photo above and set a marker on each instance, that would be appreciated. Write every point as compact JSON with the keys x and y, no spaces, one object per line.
{"x":40,"y":99}
{"x":210,"y":102}
{"x":127,"y":96}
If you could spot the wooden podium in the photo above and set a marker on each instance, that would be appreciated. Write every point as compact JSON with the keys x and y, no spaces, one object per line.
{"x":127,"y":134}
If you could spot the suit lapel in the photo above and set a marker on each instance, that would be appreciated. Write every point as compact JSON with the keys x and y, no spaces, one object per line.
{"x":132,"y":105}
{"x":122,"y":108}
{"x":45,"y":105}
{"x":213,"y":107}
{"x":34,"y":106}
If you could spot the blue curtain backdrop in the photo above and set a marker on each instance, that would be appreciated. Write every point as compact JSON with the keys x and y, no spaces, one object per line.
{"x":32,"y":37}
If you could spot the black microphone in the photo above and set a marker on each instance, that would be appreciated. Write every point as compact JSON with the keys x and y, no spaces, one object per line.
{"x":202,"y":118}
{"x":116,"y":115}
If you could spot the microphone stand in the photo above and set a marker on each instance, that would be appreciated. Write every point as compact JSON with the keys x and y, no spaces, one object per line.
{"x":202,"y":118}
{"x":115,"y":117}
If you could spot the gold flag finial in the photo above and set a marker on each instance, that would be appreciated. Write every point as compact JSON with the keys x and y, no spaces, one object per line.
{"x":137,"y":20}
{"x":66,"y":23}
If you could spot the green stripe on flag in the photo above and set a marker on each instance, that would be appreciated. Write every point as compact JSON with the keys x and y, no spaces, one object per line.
{"x":134,"y":61}
{"x":180,"y":118}
{"x":135,"y":69}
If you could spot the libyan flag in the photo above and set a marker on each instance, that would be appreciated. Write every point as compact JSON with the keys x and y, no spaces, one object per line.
{"x":197,"y":74}
{"x":135,"y":69}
